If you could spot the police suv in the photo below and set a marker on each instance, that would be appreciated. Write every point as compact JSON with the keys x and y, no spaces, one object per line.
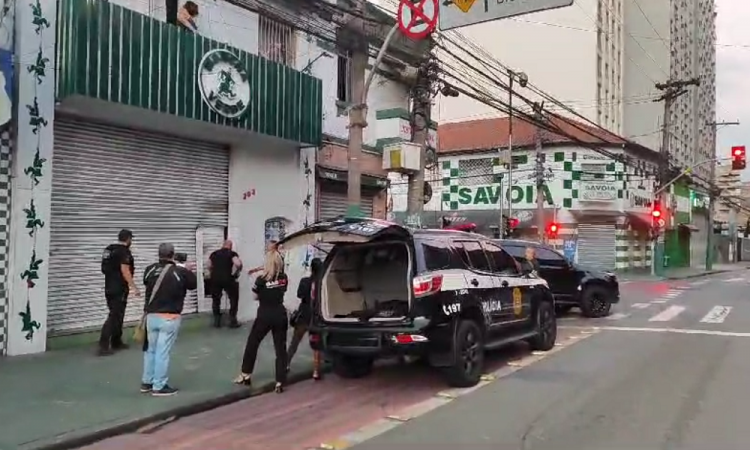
{"x":443,"y":295}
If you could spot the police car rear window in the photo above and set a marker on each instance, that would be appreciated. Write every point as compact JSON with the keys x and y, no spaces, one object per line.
{"x":438,"y":256}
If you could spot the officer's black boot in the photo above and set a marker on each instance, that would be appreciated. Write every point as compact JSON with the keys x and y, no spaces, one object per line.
{"x":233,"y":323}
{"x":217,"y":320}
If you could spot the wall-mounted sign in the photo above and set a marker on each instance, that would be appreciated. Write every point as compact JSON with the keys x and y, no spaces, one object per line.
{"x":490,"y":195}
{"x":598,"y":191}
{"x":223,"y":83}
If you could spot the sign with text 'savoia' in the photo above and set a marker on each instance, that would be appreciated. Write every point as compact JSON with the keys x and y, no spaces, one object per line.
{"x":490,"y":195}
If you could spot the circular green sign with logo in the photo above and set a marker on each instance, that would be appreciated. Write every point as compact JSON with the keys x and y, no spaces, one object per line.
{"x":223,"y":82}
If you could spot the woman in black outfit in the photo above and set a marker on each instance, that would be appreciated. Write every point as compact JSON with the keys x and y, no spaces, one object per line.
{"x":269,"y":289}
{"x":304,"y":315}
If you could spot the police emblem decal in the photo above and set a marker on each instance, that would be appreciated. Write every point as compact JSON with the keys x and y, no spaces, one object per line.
{"x":517,"y":301}
{"x":223,"y":83}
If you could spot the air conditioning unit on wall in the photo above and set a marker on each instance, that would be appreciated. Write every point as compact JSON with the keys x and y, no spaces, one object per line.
{"x":402,"y":157}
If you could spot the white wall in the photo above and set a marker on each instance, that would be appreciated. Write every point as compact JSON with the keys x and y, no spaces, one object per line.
{"x":280,"y":183}
{"x":216,"y":19}
{"x":556,"y":49}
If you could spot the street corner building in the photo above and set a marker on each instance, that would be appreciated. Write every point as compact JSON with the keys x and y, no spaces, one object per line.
{"x":596,"y":187}
{"x":127,"y":121}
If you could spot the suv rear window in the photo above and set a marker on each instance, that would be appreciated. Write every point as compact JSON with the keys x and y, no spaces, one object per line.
{"x":438,"y":256}
{"x":514,"y":251}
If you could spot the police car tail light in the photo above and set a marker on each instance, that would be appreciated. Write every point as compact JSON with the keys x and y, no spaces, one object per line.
{"x":408,"y":338}
{"x":426,"y":285}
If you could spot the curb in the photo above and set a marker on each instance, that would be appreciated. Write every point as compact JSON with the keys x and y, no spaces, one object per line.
{"x":700,"y":275}
{"x":153,"y":422}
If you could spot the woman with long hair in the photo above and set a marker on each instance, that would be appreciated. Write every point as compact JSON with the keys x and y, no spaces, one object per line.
{"x":303,"y":316}
{"x":269,"y":289}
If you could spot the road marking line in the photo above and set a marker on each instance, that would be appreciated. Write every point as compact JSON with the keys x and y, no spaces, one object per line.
{"x":718,"y":314}
{"x":392,"y":421}
{"x":640,"y":305}
{"x":618,"y":316}
{"x":667,"y":330}
{"x":668,"y":314}
{"x":659,"y":302}
{"x":699,"y":283}
{"x":734,"y":280}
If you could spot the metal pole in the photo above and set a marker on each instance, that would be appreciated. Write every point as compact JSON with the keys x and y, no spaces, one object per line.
{"x":357,"y":115}
{"x":510,"y":145}
{"x":420,"y":129}
{"x":539,"y":185}
{"x":378,"y":60}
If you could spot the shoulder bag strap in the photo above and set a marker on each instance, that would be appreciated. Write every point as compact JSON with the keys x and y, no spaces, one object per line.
{"x":163,"y":274}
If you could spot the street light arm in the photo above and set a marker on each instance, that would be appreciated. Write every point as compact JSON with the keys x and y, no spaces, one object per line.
{"x":685,"y":172}
{"x":378,"y":60}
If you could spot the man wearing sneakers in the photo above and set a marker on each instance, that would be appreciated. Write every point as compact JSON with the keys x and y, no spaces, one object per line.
{"x":166,"y":286}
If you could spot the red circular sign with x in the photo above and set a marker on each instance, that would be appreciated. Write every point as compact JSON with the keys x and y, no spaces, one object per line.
{"x":418,"y":18}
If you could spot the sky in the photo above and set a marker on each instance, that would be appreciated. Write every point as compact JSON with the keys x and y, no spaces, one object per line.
{"x":733,"y":75}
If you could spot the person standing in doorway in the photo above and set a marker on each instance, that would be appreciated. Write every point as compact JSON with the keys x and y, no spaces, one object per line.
{"x":224,"y":267}
{"x":269,"y":289}
{"x":166,"y":284}
{"x":118,"y":268}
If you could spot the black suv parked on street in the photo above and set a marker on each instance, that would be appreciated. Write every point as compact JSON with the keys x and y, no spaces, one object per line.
{"x":594,"y":291}
{"x":445,"y":296}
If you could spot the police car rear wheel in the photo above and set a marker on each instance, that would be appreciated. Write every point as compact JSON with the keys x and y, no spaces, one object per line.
{"x":595,"y":302}
{"x":469,"y":350}
{"x":347,"y":366}
{"x":546,"y":327}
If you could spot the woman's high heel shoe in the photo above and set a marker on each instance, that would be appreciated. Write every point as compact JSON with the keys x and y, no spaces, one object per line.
{"x":279,"y":388}
{"x":243,"y":379}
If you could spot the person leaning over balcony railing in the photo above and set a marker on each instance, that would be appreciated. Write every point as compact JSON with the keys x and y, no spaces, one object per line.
{"x":186,"y":16}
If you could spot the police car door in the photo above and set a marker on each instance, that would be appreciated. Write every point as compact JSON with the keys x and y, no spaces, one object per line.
{"x":481,"y":282}
{"x":514,"y":290}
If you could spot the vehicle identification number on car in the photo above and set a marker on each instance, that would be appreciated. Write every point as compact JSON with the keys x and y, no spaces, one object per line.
{"x":492,"y":306}
{"x":452,"y":308}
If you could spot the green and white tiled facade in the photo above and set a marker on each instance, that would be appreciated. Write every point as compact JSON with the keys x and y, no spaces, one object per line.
{"x":581,"y":186}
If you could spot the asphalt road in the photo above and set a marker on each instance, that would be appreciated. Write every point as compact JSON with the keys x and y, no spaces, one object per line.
{"x":678,"y":382}
{"x":667,"y":370}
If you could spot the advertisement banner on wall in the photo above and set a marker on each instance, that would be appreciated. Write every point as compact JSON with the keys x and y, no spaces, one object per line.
{"x":598,"y":191}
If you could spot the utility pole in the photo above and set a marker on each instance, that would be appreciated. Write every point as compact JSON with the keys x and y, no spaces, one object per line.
{"x":539,"y":173}
{"x":420,"y":126}
{"x":523,"y":81}
{"x":671,"y":90}
{"x":357,"y":111}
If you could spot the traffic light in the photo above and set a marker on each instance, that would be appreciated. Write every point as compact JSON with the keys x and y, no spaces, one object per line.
{"x":511,"y":223}
{"x":552,"y":230}
{"x":738,"y":158}
{"x":657,"y":219}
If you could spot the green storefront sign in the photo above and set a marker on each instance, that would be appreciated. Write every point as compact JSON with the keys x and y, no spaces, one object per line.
{"x":490,"y":195}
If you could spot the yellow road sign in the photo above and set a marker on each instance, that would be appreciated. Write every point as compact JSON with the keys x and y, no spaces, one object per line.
{"x":464,"y":5}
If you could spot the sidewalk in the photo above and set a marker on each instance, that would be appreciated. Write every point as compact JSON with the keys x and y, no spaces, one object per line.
{"x":683,"y":273}
{"x":55,"y":399}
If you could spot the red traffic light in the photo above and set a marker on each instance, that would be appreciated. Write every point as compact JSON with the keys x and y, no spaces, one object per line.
{"x":738,"y":151}
{"x":513,"y":222}
{"x":656,"y":214}
{"x":552,"y":228}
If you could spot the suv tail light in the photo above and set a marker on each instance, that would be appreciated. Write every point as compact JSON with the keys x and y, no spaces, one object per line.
{"x":427,"y":285}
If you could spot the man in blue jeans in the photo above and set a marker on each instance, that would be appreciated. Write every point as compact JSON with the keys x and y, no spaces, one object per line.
{"x":166,"y":286}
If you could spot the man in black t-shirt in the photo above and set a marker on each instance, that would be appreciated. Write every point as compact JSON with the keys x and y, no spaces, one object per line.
{"x":118,"y":268}
{"x":224,"y":268}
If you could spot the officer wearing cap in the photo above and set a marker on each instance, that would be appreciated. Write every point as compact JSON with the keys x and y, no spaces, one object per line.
{"x":118,"y":268}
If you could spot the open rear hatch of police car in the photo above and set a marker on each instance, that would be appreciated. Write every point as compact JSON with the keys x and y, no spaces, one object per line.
{"x":368,"y":275}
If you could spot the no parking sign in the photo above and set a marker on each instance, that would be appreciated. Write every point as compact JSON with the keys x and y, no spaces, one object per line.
{"x":417,"y":19}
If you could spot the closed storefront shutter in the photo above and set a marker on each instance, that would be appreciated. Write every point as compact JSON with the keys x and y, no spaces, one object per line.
{"x":596,"y":245}
{"x":107,"y":178}
{"x":333,"y":201}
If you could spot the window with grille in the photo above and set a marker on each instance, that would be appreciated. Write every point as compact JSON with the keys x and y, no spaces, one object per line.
{"x":343,"y":85}
{"x":475,"y":172}
{"x":276,"y":42}
{"x":593,"y":171}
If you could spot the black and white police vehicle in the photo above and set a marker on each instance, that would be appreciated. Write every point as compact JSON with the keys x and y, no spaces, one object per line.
{"x":445,"y":296}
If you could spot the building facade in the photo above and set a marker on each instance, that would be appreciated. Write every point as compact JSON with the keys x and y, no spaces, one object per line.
{"x":126,"y":121}
{"x":601,"y":204}
{"x":7,"y":72}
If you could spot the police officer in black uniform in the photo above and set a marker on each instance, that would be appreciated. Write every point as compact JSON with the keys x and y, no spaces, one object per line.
{"x":269,"y":288}
{"x":118,"y":268}
{"x":225,"y":266}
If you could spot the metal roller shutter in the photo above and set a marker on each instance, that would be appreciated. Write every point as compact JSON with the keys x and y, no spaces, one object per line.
{"x":596,"y":245}
{"x":333,"y":201}
{"x":107,"y":178}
